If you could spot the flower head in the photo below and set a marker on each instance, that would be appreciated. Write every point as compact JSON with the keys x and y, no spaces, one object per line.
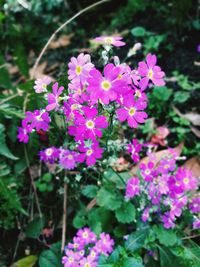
{"x":53,"y":98}
{"x":41,"y":84}
{"x":132,"y":187}
{"x":110,"y":40}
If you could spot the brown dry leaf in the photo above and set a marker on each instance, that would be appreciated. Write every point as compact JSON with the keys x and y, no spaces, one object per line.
{"x":63,"y":40}
{"x":158,"y":156}
{"x":193,"y":165}
{"x":195,"y":131}
{"x":39,"y":72}
{"x":192,"y":117}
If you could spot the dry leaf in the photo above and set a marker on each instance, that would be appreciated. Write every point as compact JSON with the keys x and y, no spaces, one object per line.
{"x":40,"y":71}
{"x":192,"y":117}
{"x":193,"y":165}
{"x":195,"y":131}
{"x":62,"y":41}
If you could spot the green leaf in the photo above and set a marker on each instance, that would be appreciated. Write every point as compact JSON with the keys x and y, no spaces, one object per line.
{"x":11,"y":112}
{"x":21,"y":59}
{"x":166,"y":237}
{"x":181,"y":97}
{"x":34,"y":228}
{"x":49,"y":259}
{"x":126,"y":213}
{"x":90,"y":191}
{"x":138,"y":31}
{"x":119,"y":179}
{"x":162,"y":93}
{"x":4,"y":150}
{"x":28,"y":261}
{"x":132,"y":262}
{"x":109,"y":199}
{"x":166,"y":257}
{"x":47,"y":177}
{"x":136,"y":240}
{"x":79,"y":221}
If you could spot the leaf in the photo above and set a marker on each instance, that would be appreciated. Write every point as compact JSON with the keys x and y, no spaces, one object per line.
{"x":5,"y":81}
{"x":132,"y":262}
{"x":181,"y":97}
{"x":4,"y":150}
{"x":109,"y":199}
{"x":49,"y":259}
{"x":162,"y":93}
{"x":166,"y":237}
{"x":79,"y":221}
{"x":136,"y":240}
{"x":28,"y":261}
{"x":47,"y":177}
{"x":193,"y":165}
{"x":138,"y":31}
{"x":34,"y":228}
{"x":11,"y":112}
{"x":166,"y":257}
{"x":119,"y":178}
{"x":21,"y":59}
{"x":126,"y":213}
{"x":192,"y":117}
{"x":62,"y":41}
{"x":90,"y":191}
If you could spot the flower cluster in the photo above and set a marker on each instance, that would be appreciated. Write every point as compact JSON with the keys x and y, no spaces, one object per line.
{"x":86,"y":103}
{"x":86,"y":249}
{"x":165,"y":191}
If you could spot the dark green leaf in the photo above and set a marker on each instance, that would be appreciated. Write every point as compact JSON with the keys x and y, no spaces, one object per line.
{"x":126,"y":213}
{"x":90,"y":191}
{"x":34,"y":228}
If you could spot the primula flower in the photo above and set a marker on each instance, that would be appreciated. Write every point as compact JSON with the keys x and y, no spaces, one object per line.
{"x":145,"y":214}
{"x":79,"y":68}
{"x":53,"y":98}
{"x":150,"y":71}
{"x":70,"y":107}
{"x":105,"y":88}
{"x":196,"y":224}
{"x":105,"y":244}
{"x":68,"y":159}
{"x":23,"y":133}
{"x":86,"y":236}
{"x":90,"y":153}
{"x":147,"y":171}
{"x":132,"y":187}
{"x":87,"y":262}
{"x":50,"y":154}
{"x":39,"y":120}
{"x":132,"y":112}
{"x":110,"y":40}
{"x":167,"y":165}
{"x":41,"y":84}
{"x":87,"y":125}
{"x":195,"y":205}
{"x":134,"y":148}
{"x":71,"y":259}
{"x":167,"y":221}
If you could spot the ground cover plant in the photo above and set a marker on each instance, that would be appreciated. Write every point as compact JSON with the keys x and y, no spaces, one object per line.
{"x":109,"y":164}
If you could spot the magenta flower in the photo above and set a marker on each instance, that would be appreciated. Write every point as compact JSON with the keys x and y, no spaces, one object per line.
{"x":68,"y":159}
{"x":110,"y":40}
{"x":87,"y":262}
{"x":132,"y":187}
{"x":105,"y":244}
{"x":195,"y":205}
{"x":23,"y":133}
{"x":90,"y":153}
{"x":132,"y":112}
{"x":198,"y":48}
{"x":196,"y":224}
{"x":145,"y":214}
{"x":41,"y":84}
{"x":147,"y":171}
{"x":86,"y":236}
{"x":53,"y":98}
{"x":79,"y":68}
{"x":105,"y":88}
{"x":163,"y":187}
{"x":70,"y":108}
{"x":167,"y":221}
{"x":50,"y":154}
{"x":71,"y":259}
{"x":167,"y":165}
{"x":88,"y":126}
{"x":150,"y":71}
{"x":134,"y":148}
{"x":39,"y":120}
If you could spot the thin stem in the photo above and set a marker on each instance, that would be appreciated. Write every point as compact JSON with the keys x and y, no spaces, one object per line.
{"x":9,"y":98}
{"x":59,"y":29}
{"x":33,"y":183}
{"x":190,"y":236}
{"x":64,"y":226}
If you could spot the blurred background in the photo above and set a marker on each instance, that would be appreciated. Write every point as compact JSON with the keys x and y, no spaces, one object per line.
{"x":170,"y":29}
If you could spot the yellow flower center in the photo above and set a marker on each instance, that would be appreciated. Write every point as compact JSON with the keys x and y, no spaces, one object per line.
{"x":85,"y":235}
{"x":74,"y":106}
{"x":71,"y":259}
{"x":44,"y":86}
{"x":147,"y":172}
{"x":150,"y":74}
{"x":186,"y":181}
{"x":89,"y":152}
{"x":90,"y":124}
{"x":87,"y":265}
{"x":78,"y":70}
{"x":70,"y":156}
{"x":132,"y":111}
{"x":166,"y":167}
{"x":137,"y":93}
{"x":108,"y":40}
{"x":49,"y":151}
{"x":119,"y":76}
{"x":106,"y":85}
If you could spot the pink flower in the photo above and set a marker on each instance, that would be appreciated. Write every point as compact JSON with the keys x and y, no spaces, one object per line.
{"x":41,"y":84}
{"x":105,"y":88}
{"x":167,"y":221}
{"x":23,"y":133}
{"x":70,"y":107}
{"x":86,"y":236}
{"x":110,"y":40}
{"x":145,"y":214}
{"x":105,"y":244}
{"x":147,"y":171}
{"x":68,"y":159}
{"x":79,"y":68}
{"x":50,"y":154}
{"x":149,"y":71}
{"x":53,"y":98}
{"x":134,"y":148}
{"x":87,"y":125}
{"x":39,"y":120}
{"x":90,"y":152}
{"x":132,"y":112}
{"x":132,"y":187}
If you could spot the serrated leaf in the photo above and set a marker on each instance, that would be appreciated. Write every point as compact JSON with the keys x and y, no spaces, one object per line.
{"x":126,"y":213}
{"x":79,"y":221}
{"x":136,"y":240}
{"x":4,"y":150}
{"x":166,"y":237}
{"x":90,"y":191}
{"x":109,"y":199}
{"x":49,"y":259}
{"x":34,"y":228}
{"x":162,"y":93}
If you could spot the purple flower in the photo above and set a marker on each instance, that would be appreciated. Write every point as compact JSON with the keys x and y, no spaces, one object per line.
{"x":87,"y":125}
{"x":50,"y":154}
{"x":195,"y":205}
{"x":53,"y":98}
{"x":87,"y":262}
{"x":198,"y":48}
{"x":132,"y":112}
{"x":23,"y":134}
{"x":90,"y":152}
{"x":39,"y":120}
{"x":145,"y":214}
{"x":149,"y":71}
{"x":167,"y":165}
{"x":196,"y":224}
{"x":68,"y":159}
{"x":79,"y":68}
{"x":71,"y":259}
{"x":134,"y":148}
{"x":105,"y":244}
{"x":147,"y":171}
{"x":110,"y":40}
{"x":132,"y":187}
{"x":41,"y":84}
{"x":105,"y":88}
{"x":167,"y":221}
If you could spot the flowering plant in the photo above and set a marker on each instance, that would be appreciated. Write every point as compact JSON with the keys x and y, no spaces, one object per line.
{"x":88,"y":114}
